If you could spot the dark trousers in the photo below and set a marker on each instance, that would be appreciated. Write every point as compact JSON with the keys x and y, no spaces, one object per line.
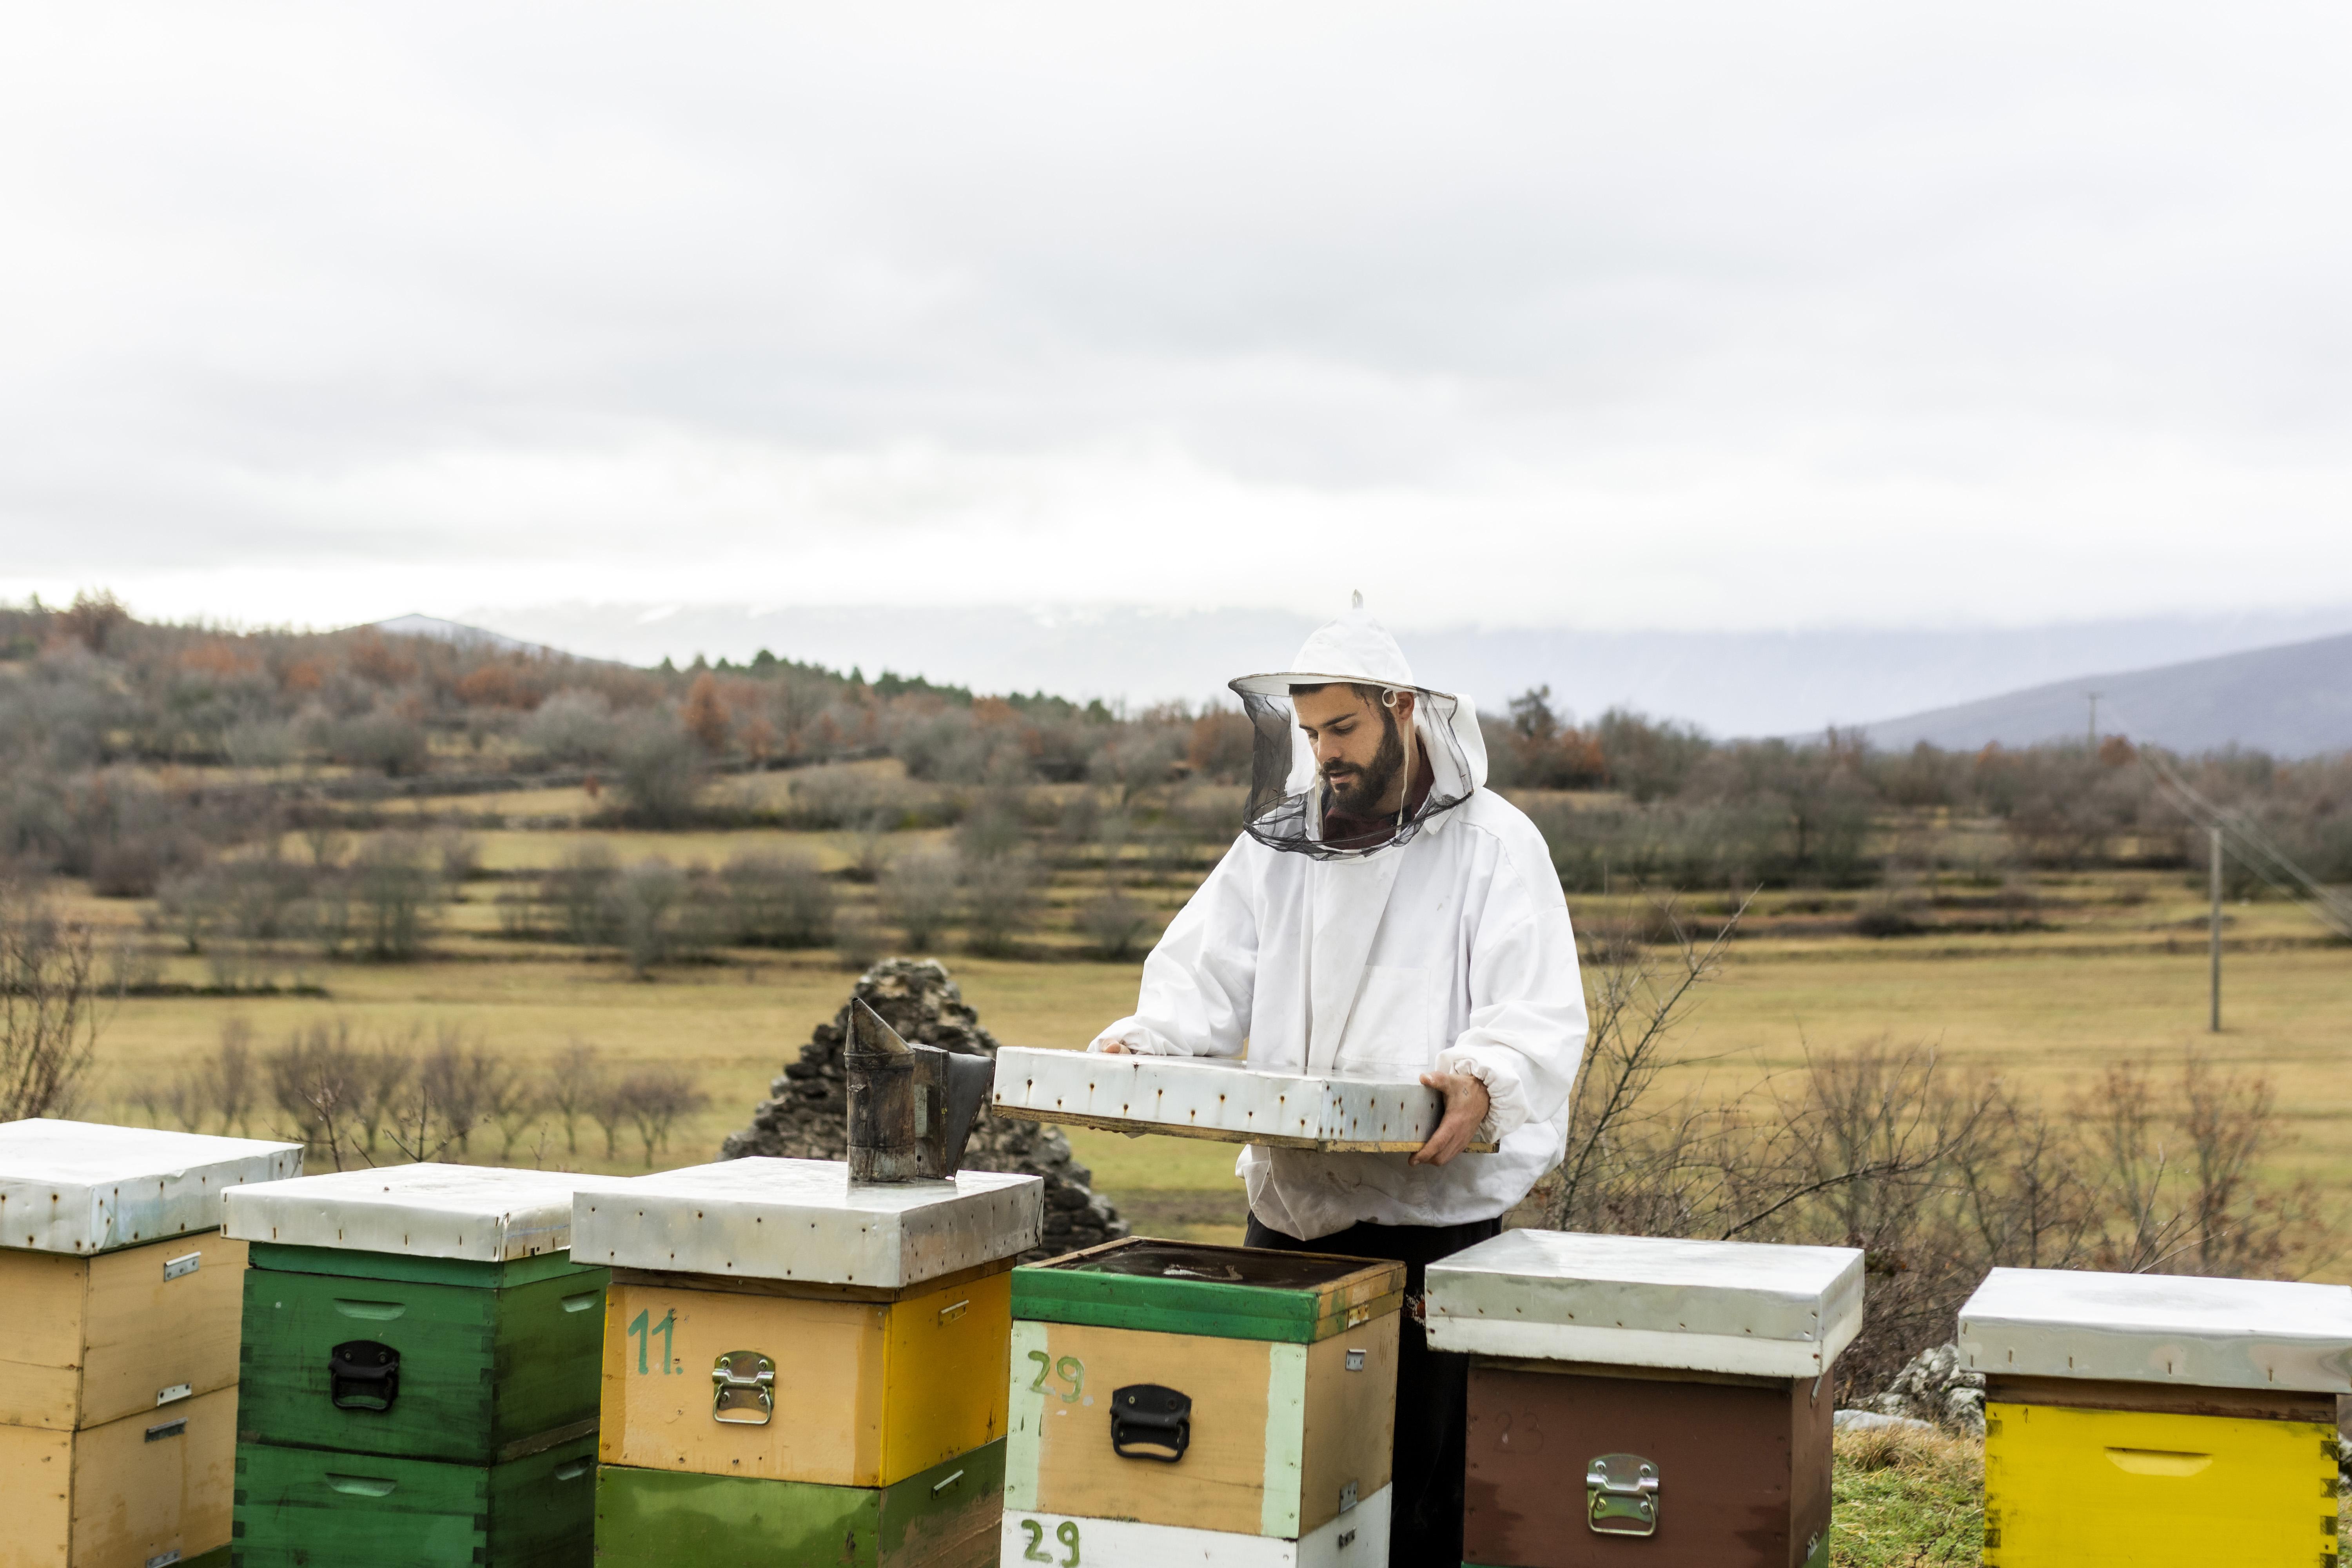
{"x":1432,"y":1415}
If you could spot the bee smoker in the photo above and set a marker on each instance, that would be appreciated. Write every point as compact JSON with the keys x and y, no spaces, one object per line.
{"x":910,"y":1106}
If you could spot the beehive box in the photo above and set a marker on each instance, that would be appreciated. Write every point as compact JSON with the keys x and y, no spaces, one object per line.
{"x":785,"y":1346}
{"x":945,"y":1517}
{"x":2158,"y":1420}
{"x":1171,"y":1398}
{"x":1226,"y":1101}
{"x":117,"y":1396}
{"x":1632,"y":1391}
{"x":310,"y":1507}
{"x":417,"y":1337}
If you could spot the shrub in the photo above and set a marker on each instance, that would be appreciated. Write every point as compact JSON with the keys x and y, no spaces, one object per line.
{"x":999,"y":901}
{"x":919,"y":892}
{"x":777,"y":901}
{"x":574,"y":728}
{"x":657,"y":774}
{"x":1115,"y":924}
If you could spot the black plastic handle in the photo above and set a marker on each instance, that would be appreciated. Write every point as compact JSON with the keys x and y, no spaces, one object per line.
{"x":1149,"y":1422}
{"x":362,"y":1376}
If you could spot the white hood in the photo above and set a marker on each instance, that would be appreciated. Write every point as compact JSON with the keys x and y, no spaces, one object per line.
{"x":1356,"y":648}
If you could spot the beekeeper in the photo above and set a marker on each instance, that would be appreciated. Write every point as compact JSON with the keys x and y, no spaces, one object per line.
{"x":1382,"y":912}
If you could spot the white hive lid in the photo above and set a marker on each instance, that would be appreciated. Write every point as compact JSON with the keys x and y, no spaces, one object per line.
{"x":478,"y":1213}
{"x":1744,"y":1307}
{"x":81,"y":1187}
{"x":803,"y":1219}
{"x":2160,"y":1328}
{"x":1207,"y":1097}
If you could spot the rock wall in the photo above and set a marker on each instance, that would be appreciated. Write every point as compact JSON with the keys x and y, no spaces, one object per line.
{"x":808,"y":1115}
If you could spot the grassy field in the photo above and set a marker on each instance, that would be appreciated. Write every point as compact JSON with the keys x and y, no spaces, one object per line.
{"x":2117,"y":970}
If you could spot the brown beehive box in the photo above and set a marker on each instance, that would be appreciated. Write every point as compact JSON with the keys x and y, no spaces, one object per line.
{"x":1639,"y":1394}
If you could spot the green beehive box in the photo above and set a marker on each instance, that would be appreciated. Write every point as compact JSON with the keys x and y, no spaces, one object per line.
{"x":313,"y":1508}
{"x":945,"y":1517}
{"x":492,"y":1359}
{"x":419,"y":1311}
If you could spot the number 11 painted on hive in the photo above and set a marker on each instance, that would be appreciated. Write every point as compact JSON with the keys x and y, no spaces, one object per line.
{"x":666,"y":1329}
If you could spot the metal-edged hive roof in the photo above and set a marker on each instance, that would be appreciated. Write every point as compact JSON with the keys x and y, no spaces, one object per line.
{"x":83,"y":1187}
{"x":1226,"y":1101}
{"x":805,"y":1220}
{"x":479,"y":1214}
{"x":2160,"y":1328}
{"x":1742,"y":1307}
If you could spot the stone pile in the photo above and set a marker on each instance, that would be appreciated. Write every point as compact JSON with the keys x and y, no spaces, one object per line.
{"x":1934,"y":1386}
{"x":807,"y":1117}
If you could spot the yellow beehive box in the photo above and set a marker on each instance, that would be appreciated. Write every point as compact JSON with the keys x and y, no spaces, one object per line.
{"x":840,"y":1385}
{"x":772,"y":1318}
{"x":95,"y":1339}
{"x":2160,"y":1421}
{"x":156,"y":1487}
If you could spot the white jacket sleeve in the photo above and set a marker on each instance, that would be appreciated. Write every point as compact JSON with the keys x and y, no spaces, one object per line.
{"x":1198,"y":981}
{"x":1527,"y":1020}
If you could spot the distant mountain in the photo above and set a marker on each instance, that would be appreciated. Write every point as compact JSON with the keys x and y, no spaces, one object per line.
{"x":1732,"y":683}
{"x":457,"y":632}
{"x":2293,"y":700}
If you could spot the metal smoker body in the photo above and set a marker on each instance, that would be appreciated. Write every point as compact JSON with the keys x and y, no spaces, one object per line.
{"x":910,"y":1106}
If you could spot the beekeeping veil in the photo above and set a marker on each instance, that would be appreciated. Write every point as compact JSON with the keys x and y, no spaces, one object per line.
{"x":1289,"y":799}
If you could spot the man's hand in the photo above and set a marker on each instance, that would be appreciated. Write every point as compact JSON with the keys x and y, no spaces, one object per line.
{"x":1114,"y":1048}
{"x":1465,"y":1111}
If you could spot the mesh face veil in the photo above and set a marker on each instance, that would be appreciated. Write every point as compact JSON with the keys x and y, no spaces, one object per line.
{"x":1290,"y":802}
{"x":1293,"y":806}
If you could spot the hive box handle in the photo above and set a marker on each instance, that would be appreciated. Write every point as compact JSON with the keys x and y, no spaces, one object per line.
{"x":362,"y":1376}
{"x":1150,"y":1422}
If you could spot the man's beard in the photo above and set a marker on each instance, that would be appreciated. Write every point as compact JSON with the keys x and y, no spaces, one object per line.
{"x":1362,"y":797}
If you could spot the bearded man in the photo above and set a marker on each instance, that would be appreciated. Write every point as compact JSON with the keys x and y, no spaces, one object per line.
{"x":1382,"y":912}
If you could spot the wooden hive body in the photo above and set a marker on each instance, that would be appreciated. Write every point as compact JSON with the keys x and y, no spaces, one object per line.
{"x":871,"y":1386}
{"x":944,"y":1516}
{"x":800,"y":1368}
{"x":305,"y":1507}
{"x":1690,"y":1378}
{"x":1285,"y":1363}
{"x":421,"y":1370}
{"x":2164,"y":1421}
{"x":118,"y":1393}
{"x":132,"y":1490}
{"x":496,"y":1360}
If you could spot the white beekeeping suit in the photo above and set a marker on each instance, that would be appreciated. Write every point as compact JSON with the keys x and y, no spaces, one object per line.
{"x":1446,"y":947}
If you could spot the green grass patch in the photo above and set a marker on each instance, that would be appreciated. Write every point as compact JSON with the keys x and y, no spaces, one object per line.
{"x":1907,"y":1498}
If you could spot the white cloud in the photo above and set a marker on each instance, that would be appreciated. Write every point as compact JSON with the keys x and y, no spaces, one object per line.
{"x":1702,"y":314}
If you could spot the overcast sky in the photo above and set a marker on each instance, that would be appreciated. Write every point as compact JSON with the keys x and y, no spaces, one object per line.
{"x":1719,"y":315}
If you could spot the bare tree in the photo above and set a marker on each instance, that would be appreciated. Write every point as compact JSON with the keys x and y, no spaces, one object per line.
{"x":51,"y":1009}
{"x":654,"y":1099}
{"x":576,"y":1076}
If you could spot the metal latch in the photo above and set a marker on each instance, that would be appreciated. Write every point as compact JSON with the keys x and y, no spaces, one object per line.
{"x":362,"y":1376}
{"x":1347,"y":1496}
{"x":164,"y":1559}
{"x":164,"y":1429}
{"x":743,"y":1389}
{"x":1355,"y":1361}
{"x":174,"y":1394}
{"x":178,"y":1268}
{"x":1621,"y":1493}
{"x":1150,"y":1422}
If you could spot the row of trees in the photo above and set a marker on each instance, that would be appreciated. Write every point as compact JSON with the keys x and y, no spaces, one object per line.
{"x":400,"y":1097}
{"x":93,"y":693}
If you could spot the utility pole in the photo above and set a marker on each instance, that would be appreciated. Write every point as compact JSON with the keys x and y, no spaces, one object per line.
{"x":2213,"y":856}
{"x":2094,"y":697}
